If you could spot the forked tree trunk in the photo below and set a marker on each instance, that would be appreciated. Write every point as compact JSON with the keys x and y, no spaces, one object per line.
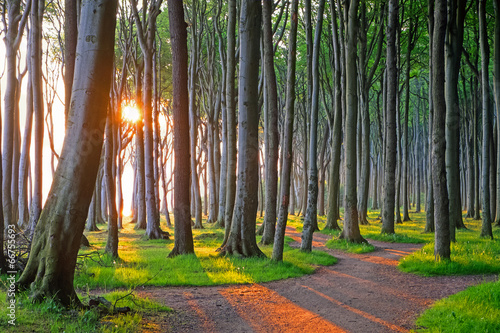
{"x":242,"y":236}
{"x":51,"y":265}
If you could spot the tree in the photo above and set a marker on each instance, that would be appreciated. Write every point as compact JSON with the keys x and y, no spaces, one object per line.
{"x":486,"y":230}
{"x":496,"y":60}
{"x":36,"y":83}
{"x":51,"y":265}
{"x":241,"y":239}
{"x":183,"y":236}
{"x":351,"y":227}
{"x":453,"y":53}
{"x":390,"y":122}
{"x":441,"y":206}
{"x":13,"y":36}
{"x":272,"y":127}
{"x":310,"y":220}
{"x":286,"y":166}
{"x":146,"y":42}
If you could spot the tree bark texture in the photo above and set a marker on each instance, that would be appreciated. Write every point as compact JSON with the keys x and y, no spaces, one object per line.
{"x":51,"y":265}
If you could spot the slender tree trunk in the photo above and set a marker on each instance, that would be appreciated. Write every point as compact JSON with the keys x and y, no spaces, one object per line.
{"x":336,"y":146}
{"x":109,"y":161}
{"x":230,"y":118}
{"x":70,"y":39}
{"x":286,"y":166}
{"x":486,"y":230}
{"x":496,"y":61}
{"x":272,"y":127}
{"x":441,"y":206}
{"x":311,"y":218}
{"x":36,"y":81}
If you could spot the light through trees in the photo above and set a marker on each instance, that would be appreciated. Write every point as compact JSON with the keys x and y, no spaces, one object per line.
{"x":131,"y":113}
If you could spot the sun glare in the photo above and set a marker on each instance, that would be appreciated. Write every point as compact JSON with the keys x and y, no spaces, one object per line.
{"x":131,"y":114}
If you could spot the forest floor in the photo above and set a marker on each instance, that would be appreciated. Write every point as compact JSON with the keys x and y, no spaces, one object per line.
{"x":361,"y":293}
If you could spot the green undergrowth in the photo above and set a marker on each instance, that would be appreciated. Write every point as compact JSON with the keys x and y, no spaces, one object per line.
{"x":145,"y":262}
{"x":470,"y":254}
{"x":342,"y":244}
{"x":476,"y":309}
{"x":48,"y":316}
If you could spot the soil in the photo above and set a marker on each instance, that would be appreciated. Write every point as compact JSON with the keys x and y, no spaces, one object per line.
{"x":361,"y":293}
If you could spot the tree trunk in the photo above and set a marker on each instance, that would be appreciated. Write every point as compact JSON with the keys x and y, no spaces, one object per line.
{"x":390,"y":123}
{"x":140,"y":194}
{"x":311,"y":218}
{"x":496,"y":62}
{"x":36,"y":81}
{"x":453,"y":49}
{"x":52,"y":261}
{"x":336,"y":145}
{"x":230,"y":119}
{"x":441,"y":206}
{"x":183,"y":236}
{"x":70,"y":39}
{"x":242,"y":236}
{"x":486,"y":230}
{"x":272,"y":137}
{"x":286,"y":166}
{"x":351,"y":230}
{"x":109,"y":161}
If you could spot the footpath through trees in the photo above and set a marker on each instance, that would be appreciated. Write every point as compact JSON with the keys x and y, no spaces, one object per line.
{"x":361,"y":293}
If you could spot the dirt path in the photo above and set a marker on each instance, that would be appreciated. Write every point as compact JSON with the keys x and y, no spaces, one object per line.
{"x":361,"y":293}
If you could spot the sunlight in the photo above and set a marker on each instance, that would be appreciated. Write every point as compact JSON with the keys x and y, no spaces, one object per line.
{"x":131,"y":113}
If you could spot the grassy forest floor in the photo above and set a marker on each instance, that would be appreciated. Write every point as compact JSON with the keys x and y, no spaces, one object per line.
{"x":364,"y":291}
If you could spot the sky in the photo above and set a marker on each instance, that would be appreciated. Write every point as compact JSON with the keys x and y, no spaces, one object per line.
{"x":59,"y":121}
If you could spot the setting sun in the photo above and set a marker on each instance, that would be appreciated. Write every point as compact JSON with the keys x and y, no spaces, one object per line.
{"x":131,"y":114}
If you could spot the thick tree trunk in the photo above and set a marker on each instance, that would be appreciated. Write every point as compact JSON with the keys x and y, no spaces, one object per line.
{"x":286,"y":166}
{"x":242,"y":236}
{"x":51,"y":265}
{"x":70,"y":39}
{"x":390,"y":123}
{"x":183,"y":236}
{"x":441,"y":206}
{"x":351,"y":230}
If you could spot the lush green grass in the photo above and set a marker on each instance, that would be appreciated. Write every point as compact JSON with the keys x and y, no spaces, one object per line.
{"x":476,"y":309}
{"x":50,"y":317}
{"x":342,"y":244}
{"x":469,"y":255}
{"x":145,"y":262}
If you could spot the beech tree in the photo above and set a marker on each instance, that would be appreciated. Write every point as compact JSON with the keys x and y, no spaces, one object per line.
{"x":241,"y":239}
{"x":51,"y":265}
{"x":183,"y":237}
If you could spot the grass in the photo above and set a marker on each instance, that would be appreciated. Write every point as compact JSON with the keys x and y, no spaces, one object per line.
{"x":48,"y":316}
{"x":145,"y":262}
{"x":476,"y":309}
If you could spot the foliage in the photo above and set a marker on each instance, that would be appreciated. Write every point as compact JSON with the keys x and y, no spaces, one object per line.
{"x":475,"y":309}
{"x":345,"y":245}
{"x":145,"y":262}
{"x":48,"y":316}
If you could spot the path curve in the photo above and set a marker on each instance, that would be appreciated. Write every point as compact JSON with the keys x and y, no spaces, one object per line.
{"x":361,"y":293}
